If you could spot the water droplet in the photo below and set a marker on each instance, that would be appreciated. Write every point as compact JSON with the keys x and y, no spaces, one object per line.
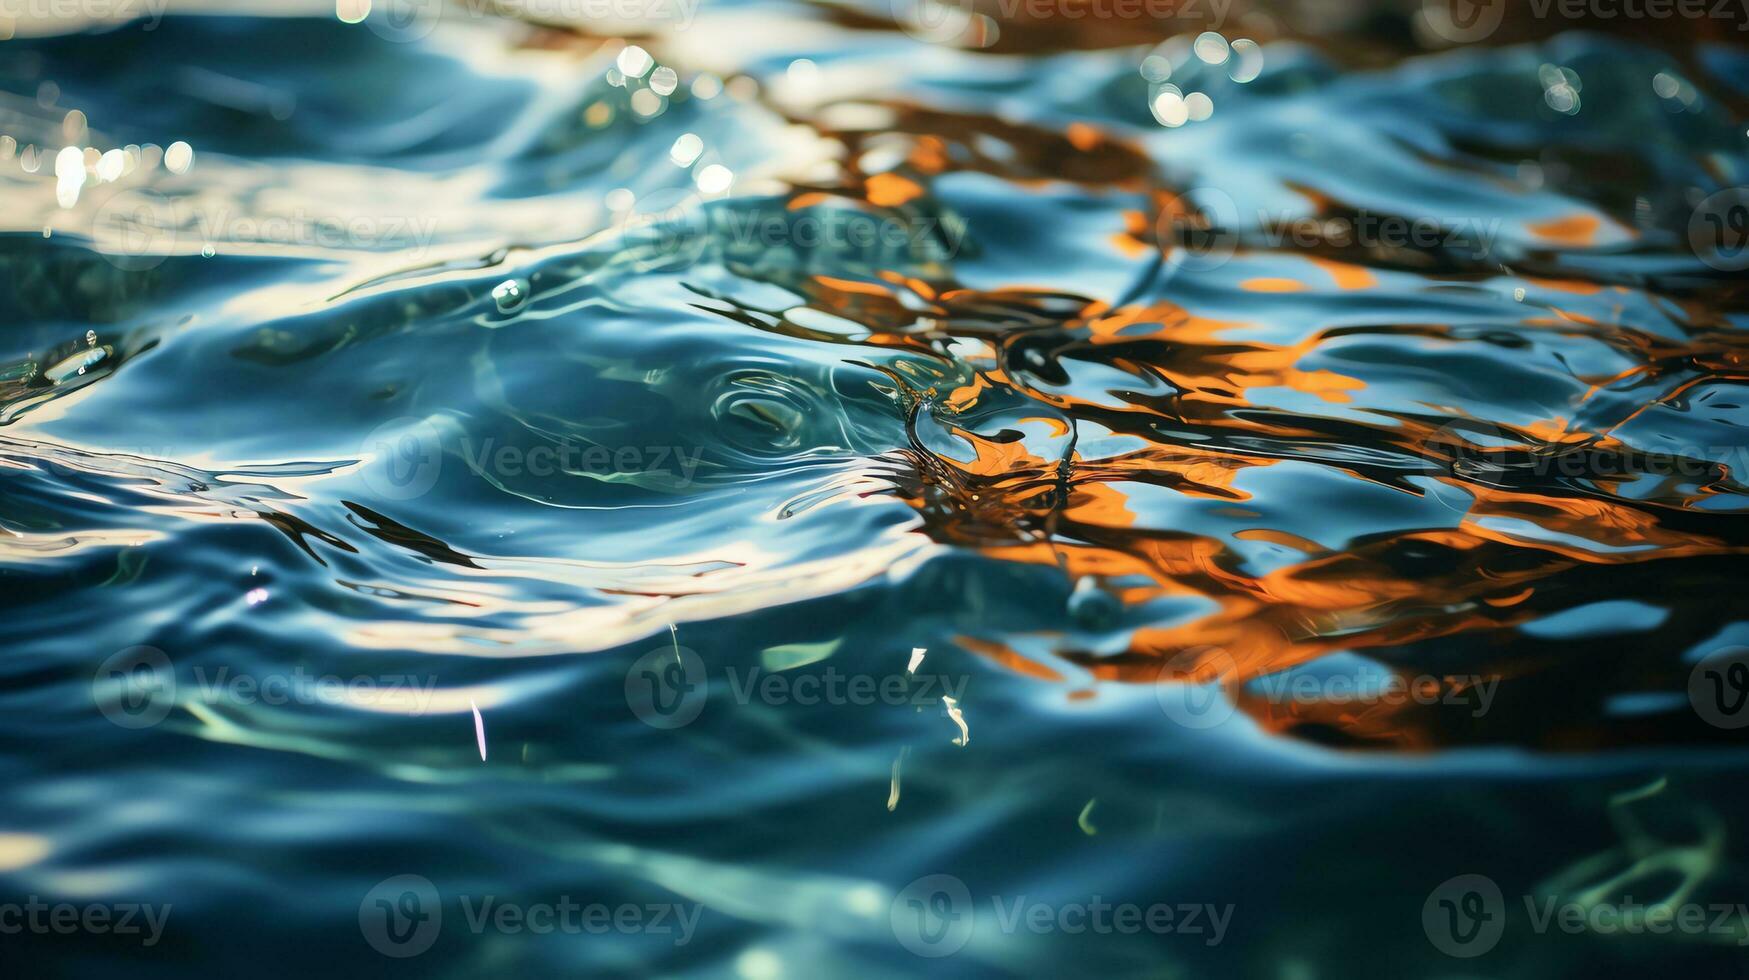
{"x":510,"y":295}
{"x":1092,"y":607}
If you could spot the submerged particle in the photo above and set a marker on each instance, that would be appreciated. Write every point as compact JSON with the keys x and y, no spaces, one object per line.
{"x":510,"y":295}
{"x":479,"y":729}
{"x":1083,"y":822}
{"x":664,"y":81}
{"x":893,"y":787}
{"x":953,"y":712}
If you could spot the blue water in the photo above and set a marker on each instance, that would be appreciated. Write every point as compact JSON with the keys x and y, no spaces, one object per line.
{"x":651,"y":405}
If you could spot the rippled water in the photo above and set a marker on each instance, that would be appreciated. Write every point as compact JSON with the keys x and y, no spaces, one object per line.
{"x":651,"y":404}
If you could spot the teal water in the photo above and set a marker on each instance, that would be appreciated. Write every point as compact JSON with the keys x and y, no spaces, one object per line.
{"x":652,"y":404}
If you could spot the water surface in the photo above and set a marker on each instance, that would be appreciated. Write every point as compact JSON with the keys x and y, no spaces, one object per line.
{"x":479,"y":365}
